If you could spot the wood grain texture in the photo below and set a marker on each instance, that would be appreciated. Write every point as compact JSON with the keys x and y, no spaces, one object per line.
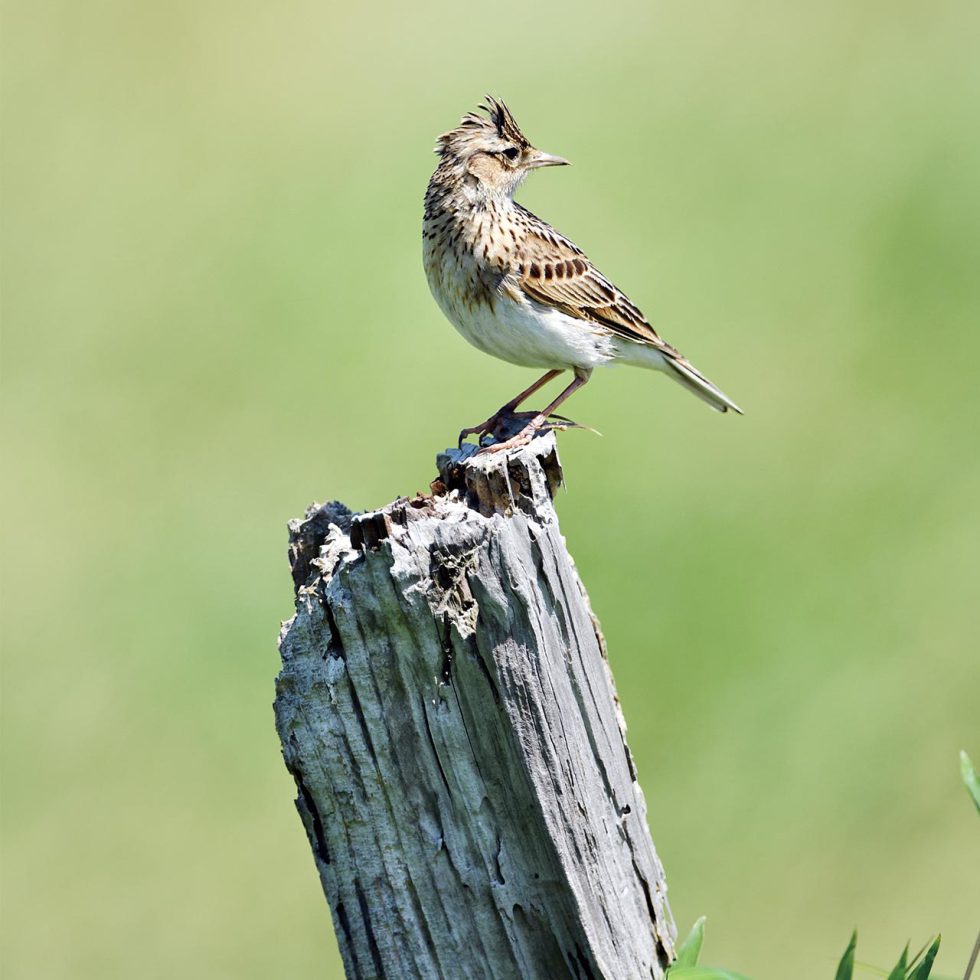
{"x":447,"y":711}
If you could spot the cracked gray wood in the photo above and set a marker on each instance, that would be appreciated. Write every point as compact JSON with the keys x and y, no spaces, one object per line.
{"x":447,"y":711}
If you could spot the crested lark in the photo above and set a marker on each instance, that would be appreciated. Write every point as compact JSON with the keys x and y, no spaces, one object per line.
{"x":516,"y":288}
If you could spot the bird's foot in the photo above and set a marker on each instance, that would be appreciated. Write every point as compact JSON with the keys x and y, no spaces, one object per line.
{"x":481,"y":430}
{"x":505,"y":436}
{"x":500,"y":425}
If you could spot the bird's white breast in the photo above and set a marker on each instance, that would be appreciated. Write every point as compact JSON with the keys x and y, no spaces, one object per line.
{"x":498,"y":319}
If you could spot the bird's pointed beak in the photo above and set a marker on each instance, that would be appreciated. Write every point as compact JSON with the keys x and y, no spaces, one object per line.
{"x":541,"y":159}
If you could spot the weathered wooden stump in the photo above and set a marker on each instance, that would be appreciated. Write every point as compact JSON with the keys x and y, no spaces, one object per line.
{"x":447,"y":711}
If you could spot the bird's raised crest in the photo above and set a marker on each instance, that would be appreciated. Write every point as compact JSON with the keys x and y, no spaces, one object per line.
{"x":501,"y":123}
{"x":505,"y":122}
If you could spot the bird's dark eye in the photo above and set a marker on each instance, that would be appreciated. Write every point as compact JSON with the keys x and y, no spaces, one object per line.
{"x":512,"y":153}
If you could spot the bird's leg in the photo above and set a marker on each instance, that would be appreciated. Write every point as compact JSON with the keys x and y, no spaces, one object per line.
{"x":507,"y":410}
{"x":540,"y":420}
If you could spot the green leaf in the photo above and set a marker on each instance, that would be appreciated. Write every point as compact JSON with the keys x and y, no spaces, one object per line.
{"x":915,"y":959}
{"x":690,"y":949}
{"x":970,"y":779}
{"x":922,"y":971}
{"x":845,"y":969}
{"x":685,"y":966}
{"x":702,"y":973}
{"x":901,"y":966}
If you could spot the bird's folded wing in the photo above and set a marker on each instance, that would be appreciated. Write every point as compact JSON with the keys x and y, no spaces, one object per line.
{"x":555,"y":272}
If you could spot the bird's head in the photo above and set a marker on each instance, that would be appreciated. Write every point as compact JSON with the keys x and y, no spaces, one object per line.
{"x":490,"y":152}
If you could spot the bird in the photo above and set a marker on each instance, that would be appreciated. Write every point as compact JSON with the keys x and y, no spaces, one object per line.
{"x":516,"y":288}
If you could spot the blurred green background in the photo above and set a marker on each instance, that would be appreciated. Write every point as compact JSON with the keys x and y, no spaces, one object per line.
{"x":215,"y":313}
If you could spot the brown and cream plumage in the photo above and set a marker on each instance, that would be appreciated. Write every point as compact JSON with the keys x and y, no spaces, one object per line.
{"x":518,"y":289}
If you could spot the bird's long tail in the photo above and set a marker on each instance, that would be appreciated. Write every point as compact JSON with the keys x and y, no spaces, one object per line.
{"x":695,"y":382}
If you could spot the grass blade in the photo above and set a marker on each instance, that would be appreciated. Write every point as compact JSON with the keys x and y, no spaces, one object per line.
{"x":973,"y":959}
{"x":702,"y":973}
{"x":922,"y":971}
{"x":970,"y":779}
{"x":690,"y":949}
{"x":901,"y":967}
{"x":845,"y":969}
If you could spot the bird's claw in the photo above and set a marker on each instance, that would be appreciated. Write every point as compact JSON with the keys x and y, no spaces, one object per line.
{"x":496,"y":426}
{"x":505,"y":437}
{"x":509,"y":429}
